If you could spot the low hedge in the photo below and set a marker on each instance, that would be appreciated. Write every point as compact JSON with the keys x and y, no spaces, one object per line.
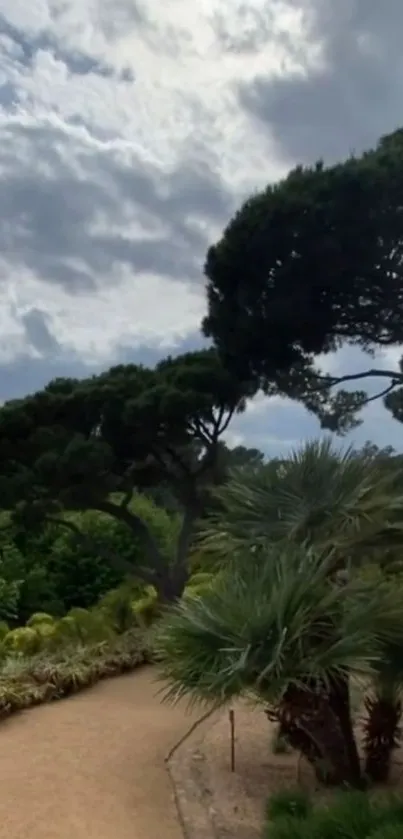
{"x":119,"y":611}
{"x":25,"y":682}
{"x":51,"y":658}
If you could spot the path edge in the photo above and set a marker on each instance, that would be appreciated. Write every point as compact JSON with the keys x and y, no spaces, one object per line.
{"x":192,"y":812}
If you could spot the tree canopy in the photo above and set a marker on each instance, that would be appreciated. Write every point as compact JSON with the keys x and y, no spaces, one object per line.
{"x":309,"y":265}
{"x":92,"y":443}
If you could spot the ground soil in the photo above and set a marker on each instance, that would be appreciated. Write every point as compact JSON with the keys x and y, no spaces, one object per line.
{"x":234,"y":801}
{"x":92,"y":766}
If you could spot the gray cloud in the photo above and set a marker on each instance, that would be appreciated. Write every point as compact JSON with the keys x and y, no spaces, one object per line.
{"x":353,"y":99}
{"x":25,"y":47}
{"x":47,"y":209}
{"x":38,"y":334}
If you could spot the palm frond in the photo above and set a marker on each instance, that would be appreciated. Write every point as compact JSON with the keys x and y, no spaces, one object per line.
{"x":318,"y":495}
{"x":273,"y":622}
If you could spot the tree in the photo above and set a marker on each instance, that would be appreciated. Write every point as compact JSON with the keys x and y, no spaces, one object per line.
{"x":92,"y":444}
{"x":346,"y":508}
{"x":309,"y":265}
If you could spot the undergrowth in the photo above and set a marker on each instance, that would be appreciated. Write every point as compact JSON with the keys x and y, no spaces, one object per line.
{"x":350,"y":815}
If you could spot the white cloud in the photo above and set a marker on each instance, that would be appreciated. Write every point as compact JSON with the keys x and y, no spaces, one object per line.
{"x":125,"y":147}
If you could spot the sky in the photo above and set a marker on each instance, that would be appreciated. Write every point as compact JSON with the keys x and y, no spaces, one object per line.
{"x":130,"y":132}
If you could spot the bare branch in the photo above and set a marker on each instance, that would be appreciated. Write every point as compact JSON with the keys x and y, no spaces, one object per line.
{"x":380,"y":395}
{"x":330,"y":381}
{"x":227,"y":421}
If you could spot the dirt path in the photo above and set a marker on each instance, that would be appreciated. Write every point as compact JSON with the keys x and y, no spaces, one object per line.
{"x":91,"y":767}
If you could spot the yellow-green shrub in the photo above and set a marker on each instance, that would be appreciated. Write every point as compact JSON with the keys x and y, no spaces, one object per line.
{"x":49,"y":640}
{"x":146,"y":608}
{"x":90,"y":625}
{"x":66,"y":630}
{"x":39,"y":619}
{"x":24,"y":641}
{"x":116,"y":607}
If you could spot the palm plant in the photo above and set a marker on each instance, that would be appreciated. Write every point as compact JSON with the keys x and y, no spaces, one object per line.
{"x":347,"y":508}
{"x":319,"y":496}
{"x":280,"y":631}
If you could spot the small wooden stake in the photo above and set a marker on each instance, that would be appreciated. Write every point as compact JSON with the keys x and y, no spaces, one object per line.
{"x":232,"y":729}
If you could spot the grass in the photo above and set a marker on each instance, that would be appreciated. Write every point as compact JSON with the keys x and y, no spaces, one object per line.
{"x":350,"y":815}
{"x":25,"y":682}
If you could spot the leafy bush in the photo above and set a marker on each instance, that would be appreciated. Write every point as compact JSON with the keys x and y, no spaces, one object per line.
{"x":117,"y":607}
{"x":350,"y":815}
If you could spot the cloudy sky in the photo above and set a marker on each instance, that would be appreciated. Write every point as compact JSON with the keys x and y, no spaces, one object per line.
{"x":130,"y":130}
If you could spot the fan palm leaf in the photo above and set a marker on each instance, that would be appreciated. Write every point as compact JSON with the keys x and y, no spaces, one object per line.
{"x":318,"y":495}
{"x":277,"y":622}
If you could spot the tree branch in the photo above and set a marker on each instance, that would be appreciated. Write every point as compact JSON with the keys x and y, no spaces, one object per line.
{"x":380,"y":395}
{"x":330,"y":381}
{"x":227,"y":421}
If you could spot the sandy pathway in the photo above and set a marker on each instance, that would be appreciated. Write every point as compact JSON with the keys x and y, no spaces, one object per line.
{"x":91,"y":767}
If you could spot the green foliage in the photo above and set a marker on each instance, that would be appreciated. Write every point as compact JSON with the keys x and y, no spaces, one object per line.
{"x":319,"y":496}
{"x":288,"y":278}
{"x":91,"y":445}
{"x":117,"y":607}
{"x":24,"y":640}
{"x":287,"y":828}
{"x":9,"y":597}
{"x":4,"y":629}
{"x":289,"y":802}
{"x":290,"y":617}
{"x":146,"y":608}
{"x":39,"y":619}
{"x":350,"y":815}
{"x":274,"y":622}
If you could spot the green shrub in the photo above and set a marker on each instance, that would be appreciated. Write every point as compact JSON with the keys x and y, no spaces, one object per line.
{"x":66,"y":630}
{"x":40,"y":618}
{"x":90,"y":625}
{"x":350,"y":815}
{"x":24,"y":641}
{"x":117,"y":608}
{"x":146,"y":608}
{"x":292,"y":802}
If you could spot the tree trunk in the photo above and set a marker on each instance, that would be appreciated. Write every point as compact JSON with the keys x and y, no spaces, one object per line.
{"x":310,"y":723}
{"x":170,"y":585}
{"x":382,"y":735}
{"x":339,"y":701}
{"x":171,"y":581}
